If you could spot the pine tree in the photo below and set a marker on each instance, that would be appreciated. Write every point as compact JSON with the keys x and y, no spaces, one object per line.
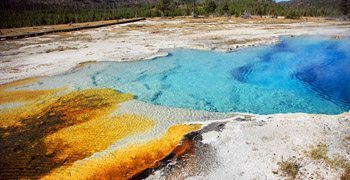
{"x":209,"y":6}
{"x":225,"y":8}
{"x":163,"y":6}
{"x":344,"y":7}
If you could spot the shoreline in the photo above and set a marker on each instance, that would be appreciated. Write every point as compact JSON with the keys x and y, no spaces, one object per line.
{"x":163,"y":52}
{"x":59,"y":53}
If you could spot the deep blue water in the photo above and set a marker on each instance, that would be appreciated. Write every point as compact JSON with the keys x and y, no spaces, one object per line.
{"x":303,"y":74}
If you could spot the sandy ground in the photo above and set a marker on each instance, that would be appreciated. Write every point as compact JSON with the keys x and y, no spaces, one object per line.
{"x":248,"y":146}
{"x":255,"y":148}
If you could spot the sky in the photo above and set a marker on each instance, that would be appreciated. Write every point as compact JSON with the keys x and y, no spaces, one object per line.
{"x":281,"y":0}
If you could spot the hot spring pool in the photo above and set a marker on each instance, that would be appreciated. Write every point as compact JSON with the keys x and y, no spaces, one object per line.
{"x":303,"y":74}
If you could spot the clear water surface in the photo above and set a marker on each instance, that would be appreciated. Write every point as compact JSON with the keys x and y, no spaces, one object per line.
{"x":302,"y":74}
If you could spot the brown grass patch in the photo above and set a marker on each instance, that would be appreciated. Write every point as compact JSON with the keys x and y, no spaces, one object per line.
{"x":319,"y":152}
{"x":337,"y":161}
{"x":24,"y":30}
{"x":289,"y":168}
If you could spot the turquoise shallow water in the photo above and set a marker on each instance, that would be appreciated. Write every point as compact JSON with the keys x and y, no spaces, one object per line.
{"x":303,"y":74}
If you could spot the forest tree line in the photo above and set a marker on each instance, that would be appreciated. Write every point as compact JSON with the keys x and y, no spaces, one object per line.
{"x":24,"y":14}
